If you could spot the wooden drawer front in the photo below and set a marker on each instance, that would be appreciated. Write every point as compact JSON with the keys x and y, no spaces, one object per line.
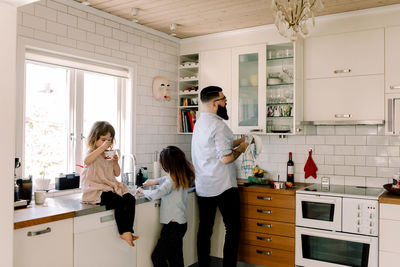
{"x":265,"y":256}
{"x":267,"y":213}
{"x":266,"y":199}
{"x":267,"y":227}
{"x":265,"y":240}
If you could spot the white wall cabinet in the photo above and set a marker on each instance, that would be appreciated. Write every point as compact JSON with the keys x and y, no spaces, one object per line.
{"x":392,"y":59}
{"x":248,"y":89}
{"x":97,"y":242}
{"x":345,"y":78}
{"x":44,"y":245}
{"x":216,"y":70}
{"x":389,"y":224}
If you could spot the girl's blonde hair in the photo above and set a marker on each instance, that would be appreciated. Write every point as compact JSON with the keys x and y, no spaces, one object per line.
{"x":100,"y":128}
{"x":174,"y":162}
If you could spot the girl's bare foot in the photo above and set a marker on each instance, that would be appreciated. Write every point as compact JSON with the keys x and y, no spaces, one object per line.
{"x":129,"y":238}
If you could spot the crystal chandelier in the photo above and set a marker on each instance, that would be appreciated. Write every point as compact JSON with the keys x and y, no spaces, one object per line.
{"x":291,"y":17}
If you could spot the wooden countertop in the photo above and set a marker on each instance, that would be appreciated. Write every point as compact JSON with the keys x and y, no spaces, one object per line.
{"x":269,"y":188}
{"x":389,"y":198}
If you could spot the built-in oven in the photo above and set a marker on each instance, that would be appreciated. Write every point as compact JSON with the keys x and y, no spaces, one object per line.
{"x":320,"y":248}
{"x":318,"y":211}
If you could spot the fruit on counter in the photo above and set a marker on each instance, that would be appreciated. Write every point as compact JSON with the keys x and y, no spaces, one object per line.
{"x":256,"y":180}
{"x":258,"y":172}
{"x":289,"y":184}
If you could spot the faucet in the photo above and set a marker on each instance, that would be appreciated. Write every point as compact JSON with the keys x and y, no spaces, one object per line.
{"x":129,"y":178}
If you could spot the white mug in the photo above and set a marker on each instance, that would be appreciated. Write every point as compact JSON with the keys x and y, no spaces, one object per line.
{"x":40,"y":197}
{"x":109,"y":154}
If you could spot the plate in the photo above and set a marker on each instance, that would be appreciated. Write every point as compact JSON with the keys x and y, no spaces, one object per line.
{"x":389,"y":188}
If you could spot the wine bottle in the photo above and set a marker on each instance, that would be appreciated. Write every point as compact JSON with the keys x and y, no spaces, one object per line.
{"x":290,"y":169}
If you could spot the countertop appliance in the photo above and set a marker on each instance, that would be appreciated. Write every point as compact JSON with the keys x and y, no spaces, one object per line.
{"x":337,"y":226}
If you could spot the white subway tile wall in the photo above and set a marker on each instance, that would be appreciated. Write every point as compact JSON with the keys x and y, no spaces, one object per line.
{"x":63,"y":24}
{"x":348,"y":155}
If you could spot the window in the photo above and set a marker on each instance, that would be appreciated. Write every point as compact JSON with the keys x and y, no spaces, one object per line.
{"x":61,"y":105}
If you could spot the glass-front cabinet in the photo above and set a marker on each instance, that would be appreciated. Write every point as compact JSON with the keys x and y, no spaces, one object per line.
{"x":267,"y":88}
{"x":248,"y":81}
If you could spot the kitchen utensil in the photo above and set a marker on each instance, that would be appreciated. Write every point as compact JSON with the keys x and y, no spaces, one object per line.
{"x":310,"y":169}
{"x":40,"y":197}
{"x":109,"y":154}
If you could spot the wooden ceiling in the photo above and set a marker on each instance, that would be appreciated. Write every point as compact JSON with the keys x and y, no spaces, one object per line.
{"x":201,"y":17}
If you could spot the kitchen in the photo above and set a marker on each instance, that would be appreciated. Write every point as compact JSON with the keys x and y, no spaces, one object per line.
{"x":351,"y":155}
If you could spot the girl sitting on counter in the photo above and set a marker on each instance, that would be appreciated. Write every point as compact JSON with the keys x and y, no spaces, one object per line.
{"x":99,"y":184}
{"x":173,"y":191}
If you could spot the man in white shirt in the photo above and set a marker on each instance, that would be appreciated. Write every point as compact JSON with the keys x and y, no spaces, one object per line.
{"x":214,"y":151}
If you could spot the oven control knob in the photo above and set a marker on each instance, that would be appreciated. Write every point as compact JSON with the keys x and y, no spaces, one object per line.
{"x":371,"y":224}
{"x":371,"y":216}
{"x":358,"y":222}
{"x":359,"y":214}
{"x":371,"y":231}
{"x":359,"y":206}
{"x":358,"y":229}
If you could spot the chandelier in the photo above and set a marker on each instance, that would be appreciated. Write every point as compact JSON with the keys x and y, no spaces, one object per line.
{"x":292,"y":17}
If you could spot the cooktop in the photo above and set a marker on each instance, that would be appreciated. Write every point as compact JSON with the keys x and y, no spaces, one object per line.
{"x":343,"y":191}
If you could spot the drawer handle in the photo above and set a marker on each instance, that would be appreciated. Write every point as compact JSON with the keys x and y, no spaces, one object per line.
{"x":264,"y":198}
{"x":394,"y":87}
{"x":267,"y":239}
{"x":41,"y":232}
{"x":106,"y":218}
{"x":268,"y":253}
{"x":342,"y":115}
{"x":264,"y":225}
{"x":342,"y":71}
{"x":264,"y":211}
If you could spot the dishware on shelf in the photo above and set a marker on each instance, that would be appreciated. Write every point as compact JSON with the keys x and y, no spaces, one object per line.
{"x":274,"y":81}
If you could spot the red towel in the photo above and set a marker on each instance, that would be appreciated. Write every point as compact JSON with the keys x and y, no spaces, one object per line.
{"x":310,"y":168}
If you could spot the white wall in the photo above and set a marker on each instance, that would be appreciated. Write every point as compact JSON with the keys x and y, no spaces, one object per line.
{"x":8,"y":16}
{"x":79,"y":30}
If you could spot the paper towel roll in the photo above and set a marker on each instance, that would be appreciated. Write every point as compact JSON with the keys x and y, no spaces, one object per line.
{"x":156,"y":170}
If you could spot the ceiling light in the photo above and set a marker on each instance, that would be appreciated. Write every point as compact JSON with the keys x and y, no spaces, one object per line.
{"x":172,"y":27}
{"x":291,"y":17}
{"x":86,"y":3}
{"x":134,"y":13}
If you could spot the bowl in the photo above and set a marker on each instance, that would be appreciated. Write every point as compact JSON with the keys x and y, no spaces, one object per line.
{"x":274,"y":81}
{"x":392,"y":190}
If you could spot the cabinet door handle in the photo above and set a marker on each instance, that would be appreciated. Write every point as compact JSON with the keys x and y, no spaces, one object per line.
{"x":157,"y":205}
{"x":256,"y":130}
{"x":106,"y":218}
{"x":40,"y":232}
{"x":342,"y":115}
{"x":264,"y":198}
{"x":264,"y":211}
{"x":264,"y":225}
{"x":267,"y":239}
{"x":394,"y":87}
{"x":342,"y":71}
{"x":390,"y":115}
{"x":268,"y":253}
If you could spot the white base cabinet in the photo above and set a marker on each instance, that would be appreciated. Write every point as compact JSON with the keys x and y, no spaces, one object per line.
{"x":389,"y":235}
{"x":44,"y":245}
{"x":97,"y":242}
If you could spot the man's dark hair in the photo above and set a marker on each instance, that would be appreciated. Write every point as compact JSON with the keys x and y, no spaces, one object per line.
{"x":210,"y":93}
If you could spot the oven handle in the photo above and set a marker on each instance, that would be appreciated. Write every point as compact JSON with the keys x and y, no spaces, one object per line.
{"x":342,"y":236}
{"x":319,"y":199}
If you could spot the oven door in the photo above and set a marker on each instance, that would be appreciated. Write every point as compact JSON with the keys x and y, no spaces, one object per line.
{"x":317,"y":211}
{"x":319,"y":248}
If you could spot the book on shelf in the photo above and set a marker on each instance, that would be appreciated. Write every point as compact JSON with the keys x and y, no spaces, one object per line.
{"x":187,"y":120}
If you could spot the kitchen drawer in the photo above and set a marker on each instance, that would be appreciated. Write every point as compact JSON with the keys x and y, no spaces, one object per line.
{"x":267,"y":199}
{"x":389,"y":211}
{"x":387,"y":259}
{"x":267,"y":213}
{"x":267,"y":227}
{"x":267,"y":240}
{"x":265,"y":256}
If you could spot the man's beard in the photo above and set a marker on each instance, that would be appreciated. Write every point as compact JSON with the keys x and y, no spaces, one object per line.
{"x":222,"y":112}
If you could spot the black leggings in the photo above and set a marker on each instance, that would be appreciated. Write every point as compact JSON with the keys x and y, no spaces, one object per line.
{"x":168,"y":251}
{"x":124,"y":209}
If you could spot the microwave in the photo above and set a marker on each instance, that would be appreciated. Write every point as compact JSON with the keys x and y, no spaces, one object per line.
{"x":318,"y":211}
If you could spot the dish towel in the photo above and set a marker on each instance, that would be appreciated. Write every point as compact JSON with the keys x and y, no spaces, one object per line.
{"x":310,"y":168}
{"x":250,"y":155}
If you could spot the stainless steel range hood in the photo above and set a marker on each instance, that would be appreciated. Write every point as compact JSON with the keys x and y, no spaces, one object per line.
{"x":345,"y":122}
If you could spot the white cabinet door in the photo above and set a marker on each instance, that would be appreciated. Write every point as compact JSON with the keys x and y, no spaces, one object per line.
{"x":387,"y":259}
{"x":216,"y":70}
{"x":248,"y":89}
{"x":44,"y":245}
{"x":347,"y":54}
{"x":148,"y":228}
{"x":347,"y":98}
{"x":392,"y":59}
{"x":97,"y":242}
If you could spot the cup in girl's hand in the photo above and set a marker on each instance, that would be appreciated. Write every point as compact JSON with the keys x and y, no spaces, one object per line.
{"x":109,"y":154}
